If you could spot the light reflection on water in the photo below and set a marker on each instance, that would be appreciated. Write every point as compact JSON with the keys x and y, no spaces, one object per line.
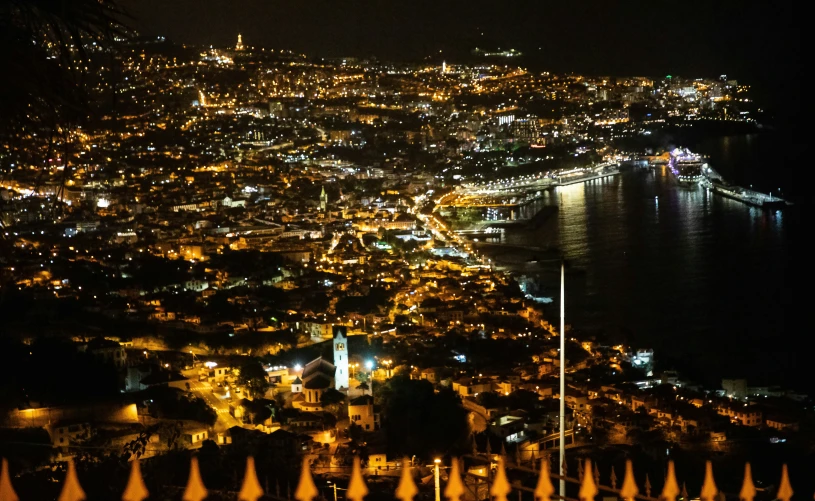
{"x":687,"y":272}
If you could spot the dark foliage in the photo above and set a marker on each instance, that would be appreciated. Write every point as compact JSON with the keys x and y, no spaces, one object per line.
{"x":419,"y":421}
{"x":171,"y":403}
{"x":253,"y":377}
{"x":39,"y":373}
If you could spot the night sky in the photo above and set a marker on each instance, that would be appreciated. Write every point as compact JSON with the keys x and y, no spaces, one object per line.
{"x":756,"y":42}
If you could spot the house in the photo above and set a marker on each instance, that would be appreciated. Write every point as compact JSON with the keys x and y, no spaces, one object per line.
{"x":65,"y":434}
{"x":471,"y":387}
{"x":745,"y":415}
{"x":108,"y":351}
{"x":214,"y":373}
{"x":430,"y":375}
{"x":318,"y":330}
{"x":194,"y":437}
{"x":504,"y":387}
{"x":718,"y":436}
{"x":377,"y":460}
{"x":362,"y":412}
{"x":638,"y":402}
{"x":510,"y":428}
{"x":782,"y":423}
{"x":135,"y":374}
{"x":578,"y":402}
{"x":233,"y":203}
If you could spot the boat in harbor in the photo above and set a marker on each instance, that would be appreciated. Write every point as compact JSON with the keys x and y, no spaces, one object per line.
{"x":687,"y":167}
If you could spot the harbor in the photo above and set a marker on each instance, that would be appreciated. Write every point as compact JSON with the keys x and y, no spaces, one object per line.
{"x":692,"y":169}
{"x":749,"y":197}
{"x":501,"y":199}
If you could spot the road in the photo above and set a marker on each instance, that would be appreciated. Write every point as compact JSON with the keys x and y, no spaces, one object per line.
{"x":204,"y":391}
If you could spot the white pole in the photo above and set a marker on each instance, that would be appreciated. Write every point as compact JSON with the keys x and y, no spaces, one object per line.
{"x":438,"y":487}
{"x":562,"y":377}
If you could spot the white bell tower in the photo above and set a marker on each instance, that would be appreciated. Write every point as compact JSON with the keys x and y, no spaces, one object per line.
{"x":340,"y":357}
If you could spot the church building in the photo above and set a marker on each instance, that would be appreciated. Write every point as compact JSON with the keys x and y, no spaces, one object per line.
{"x":319,"y":375}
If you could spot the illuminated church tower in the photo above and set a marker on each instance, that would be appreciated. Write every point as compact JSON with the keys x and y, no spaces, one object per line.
{"x":323,"y":200}
{"x":340,"y":357}
{"x":239,"y":45}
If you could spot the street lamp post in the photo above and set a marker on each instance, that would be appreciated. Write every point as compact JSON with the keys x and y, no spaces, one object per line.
{"x":562,"y":377}
{"x":334,"y":485}
{"x":436,"y":463}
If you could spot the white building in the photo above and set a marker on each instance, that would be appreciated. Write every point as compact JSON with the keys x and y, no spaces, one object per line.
{"x":341,"y":357}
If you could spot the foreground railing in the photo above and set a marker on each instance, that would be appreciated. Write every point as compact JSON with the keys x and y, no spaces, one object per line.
{"x":407,"y":489}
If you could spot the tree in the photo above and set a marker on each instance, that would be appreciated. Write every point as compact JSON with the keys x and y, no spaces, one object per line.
{"x":417,"y":420}
{"x":355,"y":432}
{"x":257,"y":410}
{"x":333,"y":401}
{"x":171,"y":403}
{"x":332,"y":397}
{"x":44,"y":47}
{"x":490,"y":400}
{"x":253,"y":378}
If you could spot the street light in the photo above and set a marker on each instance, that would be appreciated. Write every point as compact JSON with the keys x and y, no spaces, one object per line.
{"x":562,"y":423}
{"x":370,"y":366}
{"x":334,"y":484}
{"x":436,"y":463}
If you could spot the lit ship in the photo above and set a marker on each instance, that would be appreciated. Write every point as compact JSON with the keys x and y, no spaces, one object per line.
{"x":686,"y":166}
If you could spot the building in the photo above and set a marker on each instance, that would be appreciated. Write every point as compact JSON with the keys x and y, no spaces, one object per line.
{"x":317,"y":330}
{"x":743,"y":414}
{"x":510,"y":428}
{"x":195,"y":436}
{"x":341,"y":357}
{"x":323,"y":200}
{"x":735,"y":388}
{"x":67,"y":434}
{"x":362,"y":412}
{"x":108,"y":351}
{"x":782,"y":423}
{"x":468,"y":387}
{"x":644,"y":360}
{"x":318,"y":376}
{"x":134,"y":375}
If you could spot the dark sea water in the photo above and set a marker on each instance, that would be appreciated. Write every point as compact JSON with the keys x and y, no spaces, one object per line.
{"x":715,"y":287}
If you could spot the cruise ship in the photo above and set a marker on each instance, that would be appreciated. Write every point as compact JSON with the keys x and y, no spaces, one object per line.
{"x":686,"y":166}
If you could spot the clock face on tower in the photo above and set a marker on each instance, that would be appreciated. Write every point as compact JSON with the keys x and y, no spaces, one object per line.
{"x":340,"y":346}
